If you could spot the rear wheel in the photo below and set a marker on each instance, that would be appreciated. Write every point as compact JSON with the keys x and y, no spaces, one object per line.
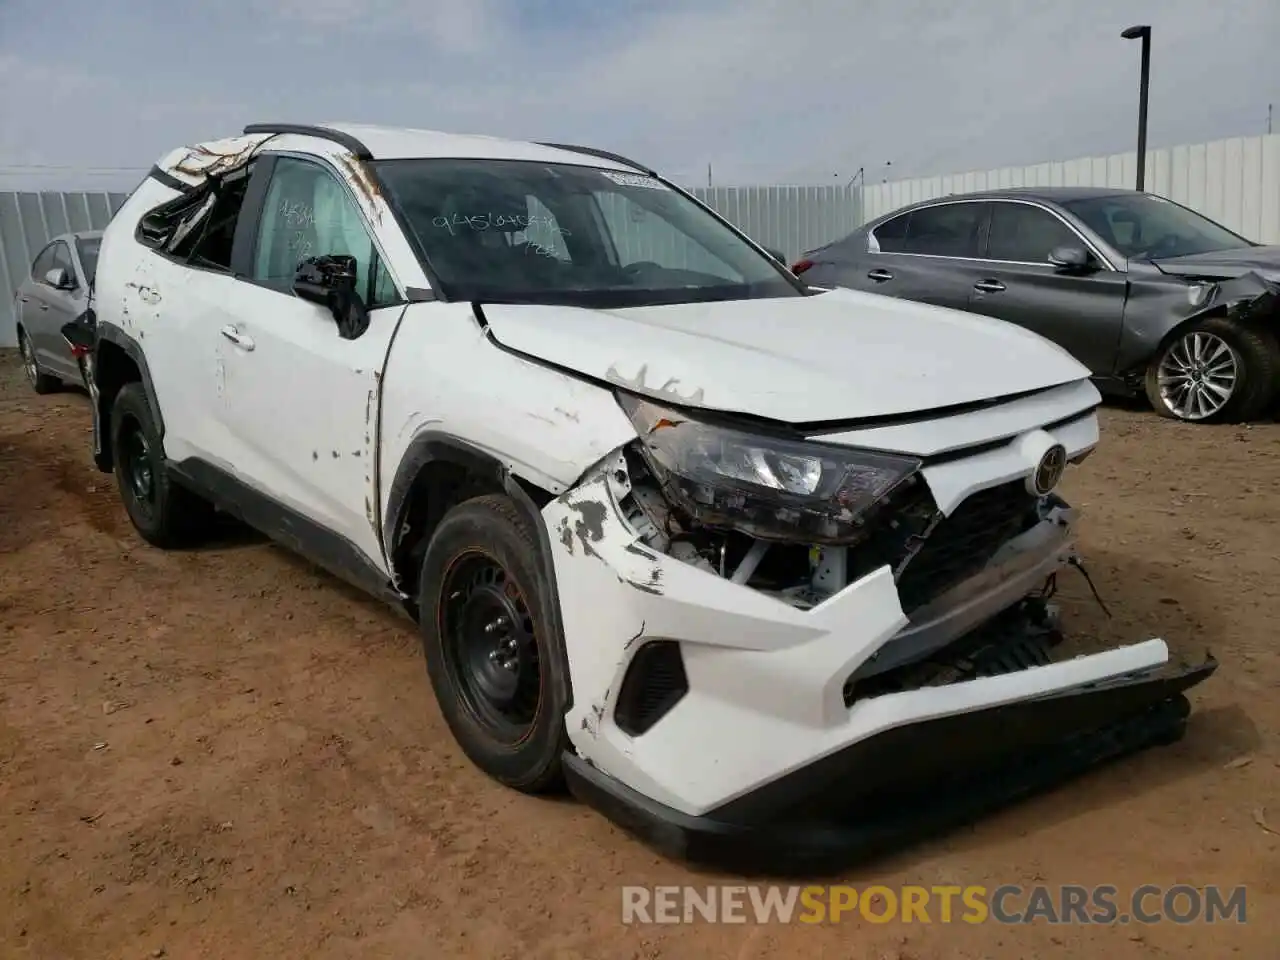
{"x":1214,"y":371}
{"x":500,"y":683}
{"x":164,"y":513}
{"x":40,"y":382}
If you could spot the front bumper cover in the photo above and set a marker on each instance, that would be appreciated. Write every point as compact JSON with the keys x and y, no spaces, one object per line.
{"x":911,"y":781}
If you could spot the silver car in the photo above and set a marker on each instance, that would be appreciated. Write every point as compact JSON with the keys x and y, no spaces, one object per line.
{"x":56,"y":293}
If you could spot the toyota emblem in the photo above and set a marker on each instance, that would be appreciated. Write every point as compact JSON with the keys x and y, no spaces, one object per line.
{"x":1050,"y":469}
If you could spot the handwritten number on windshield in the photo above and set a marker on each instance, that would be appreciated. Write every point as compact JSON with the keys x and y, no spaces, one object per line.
{"x":486,"y":221}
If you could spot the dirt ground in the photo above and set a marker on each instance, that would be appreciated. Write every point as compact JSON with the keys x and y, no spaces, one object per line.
{"x":226,"y":753}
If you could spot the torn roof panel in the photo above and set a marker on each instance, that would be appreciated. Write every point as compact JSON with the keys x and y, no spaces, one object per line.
{"x":197,"y":163}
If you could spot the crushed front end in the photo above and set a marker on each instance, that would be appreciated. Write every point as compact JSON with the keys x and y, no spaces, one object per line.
{"x":787,"y":650}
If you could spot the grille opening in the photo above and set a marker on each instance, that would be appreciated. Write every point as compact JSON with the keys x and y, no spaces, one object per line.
{"x":1024,"y":636}
{"x":655,"y":682}
{"x":962,"y":544}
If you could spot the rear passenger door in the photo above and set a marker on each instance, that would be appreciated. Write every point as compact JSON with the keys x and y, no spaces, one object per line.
{"x":1081,"y":311}
{"x":928,"y":254}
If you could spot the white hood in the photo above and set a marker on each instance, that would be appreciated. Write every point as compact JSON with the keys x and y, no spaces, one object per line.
{"x":841,"y":355}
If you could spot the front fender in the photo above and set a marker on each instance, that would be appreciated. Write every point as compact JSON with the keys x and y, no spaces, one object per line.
{"x":446,"y":378}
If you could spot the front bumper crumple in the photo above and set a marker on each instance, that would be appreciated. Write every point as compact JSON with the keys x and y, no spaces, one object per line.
{"x":766,"y":758}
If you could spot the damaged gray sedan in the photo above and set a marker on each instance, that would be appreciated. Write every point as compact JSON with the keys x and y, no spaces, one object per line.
{"x":1151,"y":296}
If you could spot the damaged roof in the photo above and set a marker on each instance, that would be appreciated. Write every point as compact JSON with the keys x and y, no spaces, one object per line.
{"x":192,"y":165}
{"x":401,"y":143}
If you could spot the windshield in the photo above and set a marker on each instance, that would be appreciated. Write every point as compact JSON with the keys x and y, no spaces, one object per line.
{"x":1142,"y":226}
{"x":514,"y":231}
{"x":88,"y":250}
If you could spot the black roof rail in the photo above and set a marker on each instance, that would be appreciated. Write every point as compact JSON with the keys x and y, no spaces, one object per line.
{"x":602,"y":154}
{"x":309,"y":130}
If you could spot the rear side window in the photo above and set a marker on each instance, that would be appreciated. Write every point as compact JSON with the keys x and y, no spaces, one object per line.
{"x":62,"y":259}
{"x":890,"y":235}
{"x":199,"y":226}
{"x":947,"y":230}
{"x":88,"y":250}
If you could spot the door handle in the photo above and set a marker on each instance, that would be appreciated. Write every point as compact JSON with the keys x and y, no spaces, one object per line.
{"x":44,"y":306}
{"x":25,"y":299}
{"x":238,"y":338}
{"x":879,"y":275}
{"x":989,"y":286}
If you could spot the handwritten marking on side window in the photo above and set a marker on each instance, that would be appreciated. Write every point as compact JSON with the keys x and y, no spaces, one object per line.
{"x":296,"y":214}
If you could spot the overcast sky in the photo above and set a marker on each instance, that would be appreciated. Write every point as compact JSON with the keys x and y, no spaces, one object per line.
{"x":763,"y":90}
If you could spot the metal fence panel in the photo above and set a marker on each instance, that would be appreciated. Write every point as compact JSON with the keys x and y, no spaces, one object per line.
{"x":1236,"y":181}
{"x":27,"y":222}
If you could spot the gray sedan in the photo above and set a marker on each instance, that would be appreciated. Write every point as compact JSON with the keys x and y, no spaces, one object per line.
{"x":1153,"y":297}
{"x":56,"y":293}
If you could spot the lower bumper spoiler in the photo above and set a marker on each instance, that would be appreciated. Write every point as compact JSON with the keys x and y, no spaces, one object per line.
{"x":910,"y":782}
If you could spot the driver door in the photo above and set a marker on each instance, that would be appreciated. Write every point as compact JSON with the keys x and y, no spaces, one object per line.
{"x":1082,"y":312}
{"x":299,"y":401}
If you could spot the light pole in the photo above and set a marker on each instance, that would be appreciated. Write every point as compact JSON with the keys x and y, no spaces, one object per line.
{"x":1144,"y":33}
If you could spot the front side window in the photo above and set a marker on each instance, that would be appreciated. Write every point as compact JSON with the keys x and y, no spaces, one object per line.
{"x":516,"y":231}
{"x":1143,"y":226}
{"x":946,"y":230}
{"x":309,"y":213}
{"x":1026,"y":234}
{"x":43,"y":263}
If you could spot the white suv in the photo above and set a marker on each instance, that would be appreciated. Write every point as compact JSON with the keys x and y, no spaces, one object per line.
{"x":740,"y":560}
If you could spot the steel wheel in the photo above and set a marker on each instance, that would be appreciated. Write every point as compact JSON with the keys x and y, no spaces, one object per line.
{"x":135,"y":463}
{"x":1198,"y":375}
{"x":487,"y":634}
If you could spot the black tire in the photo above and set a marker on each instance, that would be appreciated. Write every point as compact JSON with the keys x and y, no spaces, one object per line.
{"x":1257,"y":356}
{"x":481,"y":556}
{"x":42,"y":383}
{"x":165,"y":514}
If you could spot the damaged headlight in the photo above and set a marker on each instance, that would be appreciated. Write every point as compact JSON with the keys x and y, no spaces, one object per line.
{"x":772,"y":488}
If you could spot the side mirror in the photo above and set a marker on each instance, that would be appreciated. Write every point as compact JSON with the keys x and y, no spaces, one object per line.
{"x":1071,"y":259}
{"x":330,"y":281}
{"x":781,"y":258}
{"x":59,"y":279}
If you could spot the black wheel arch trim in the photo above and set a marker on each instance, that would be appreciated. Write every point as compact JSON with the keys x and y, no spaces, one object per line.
{"x":114,"y":335}
{"x":432,"y":446}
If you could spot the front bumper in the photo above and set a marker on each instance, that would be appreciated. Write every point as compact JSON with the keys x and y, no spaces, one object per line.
{"x":911,"y":781}
{"x":777,"y":738}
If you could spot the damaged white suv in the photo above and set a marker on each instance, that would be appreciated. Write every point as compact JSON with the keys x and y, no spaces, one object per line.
{"x":757,"y":569}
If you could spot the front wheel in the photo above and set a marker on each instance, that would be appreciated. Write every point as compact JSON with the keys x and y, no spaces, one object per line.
{"x":501,"y":684}
{"x":1214,"y":371}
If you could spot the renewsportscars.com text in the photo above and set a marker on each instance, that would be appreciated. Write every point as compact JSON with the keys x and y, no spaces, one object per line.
{"x":1006,"y":904}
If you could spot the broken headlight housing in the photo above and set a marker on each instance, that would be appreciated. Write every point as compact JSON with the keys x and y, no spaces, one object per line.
{"x":769,"y":487}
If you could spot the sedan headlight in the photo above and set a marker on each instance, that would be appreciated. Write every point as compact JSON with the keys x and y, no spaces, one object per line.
{"x":773,"y":488}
